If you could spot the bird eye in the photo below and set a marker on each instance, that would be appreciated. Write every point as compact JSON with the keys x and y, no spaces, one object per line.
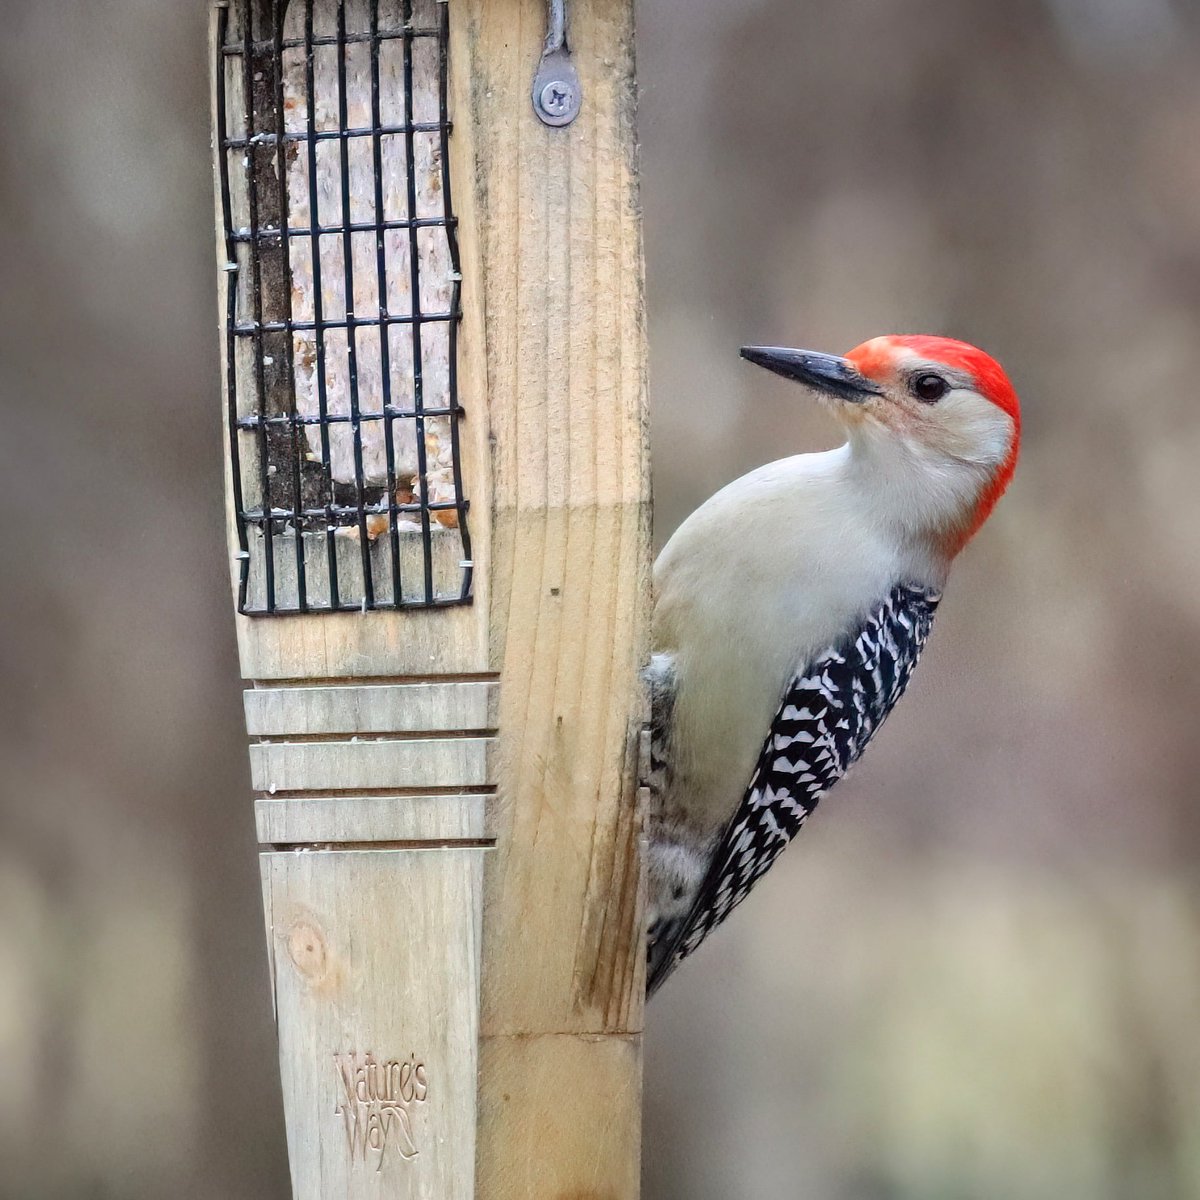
{"x":930,"y":388}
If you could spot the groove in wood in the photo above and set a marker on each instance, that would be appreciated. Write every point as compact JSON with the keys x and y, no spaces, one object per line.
{"x":379,"y":680}
{"x":389,"y":792}
{"x":419,"y":846}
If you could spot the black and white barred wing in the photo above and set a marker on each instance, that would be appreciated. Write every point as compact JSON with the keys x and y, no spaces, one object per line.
{"x":829,"y":713}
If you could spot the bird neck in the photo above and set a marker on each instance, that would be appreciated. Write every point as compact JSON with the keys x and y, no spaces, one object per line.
{"x":927,"y":502}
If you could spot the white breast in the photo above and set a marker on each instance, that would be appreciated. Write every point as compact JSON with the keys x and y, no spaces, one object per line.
{"x":769,"y":572}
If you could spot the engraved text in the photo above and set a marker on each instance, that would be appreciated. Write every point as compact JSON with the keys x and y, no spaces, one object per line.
{"x":376,"y":1105}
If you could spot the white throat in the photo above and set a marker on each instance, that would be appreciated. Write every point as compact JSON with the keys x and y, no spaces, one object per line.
{"x":920,"y":494}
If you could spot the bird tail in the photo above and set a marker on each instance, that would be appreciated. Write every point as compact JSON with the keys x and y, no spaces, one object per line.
{"x":662,"y":944}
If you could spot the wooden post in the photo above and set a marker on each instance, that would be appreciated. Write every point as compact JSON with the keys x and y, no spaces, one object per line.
{"x":556,"y":227}
{"x":447,"y":797}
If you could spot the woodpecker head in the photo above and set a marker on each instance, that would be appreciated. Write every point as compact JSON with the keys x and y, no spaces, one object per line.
{"x":937,"y":419}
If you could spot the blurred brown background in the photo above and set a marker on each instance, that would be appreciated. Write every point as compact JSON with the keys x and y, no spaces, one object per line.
{"x":978,"y":973}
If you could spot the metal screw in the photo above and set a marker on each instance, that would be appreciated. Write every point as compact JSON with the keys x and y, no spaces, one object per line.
{"x":557,"y":99}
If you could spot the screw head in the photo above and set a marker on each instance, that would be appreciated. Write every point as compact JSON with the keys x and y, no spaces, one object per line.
{"x":556,"y":94}
{"x":557,"y":98}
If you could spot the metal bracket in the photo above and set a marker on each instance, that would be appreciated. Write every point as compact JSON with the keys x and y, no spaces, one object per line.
{"x":557,"y":96}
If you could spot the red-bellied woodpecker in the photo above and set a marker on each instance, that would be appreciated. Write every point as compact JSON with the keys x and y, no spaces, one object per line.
{"x":792,"y":606}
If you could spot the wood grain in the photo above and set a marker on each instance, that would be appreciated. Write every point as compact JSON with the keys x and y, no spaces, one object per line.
{"x":318,"y":820}
{"x":375,"y":968}
{"x":535,"y":948}
{"x":553,"y":228}
{"x":382,"y":763}
{"x":582,"y":1147}
{"x":371,"y":708}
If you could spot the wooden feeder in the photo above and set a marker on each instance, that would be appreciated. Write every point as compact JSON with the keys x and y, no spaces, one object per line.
{"x":438,"y":513}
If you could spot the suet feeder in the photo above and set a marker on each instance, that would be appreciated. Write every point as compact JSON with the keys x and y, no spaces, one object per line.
{"x":438,"y":516}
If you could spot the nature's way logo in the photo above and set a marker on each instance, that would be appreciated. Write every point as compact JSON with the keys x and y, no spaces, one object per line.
{"x":377,"y":1105}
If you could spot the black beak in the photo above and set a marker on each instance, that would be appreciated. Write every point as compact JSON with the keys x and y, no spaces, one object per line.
{"x":824,"y":372}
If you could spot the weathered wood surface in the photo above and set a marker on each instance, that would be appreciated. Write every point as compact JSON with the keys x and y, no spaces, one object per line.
{"x":552,"y":227}
{"x":372,"y":708}
{"x":321,"y":820}
{"x":383,"y":763}
{"x":384,"y":731}
{"x":374,"y":937}
{"x":374,"y":963}
{"x":373,"y":905}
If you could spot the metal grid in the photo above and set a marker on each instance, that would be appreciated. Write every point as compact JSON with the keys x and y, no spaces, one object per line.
{"x":343,"y":306}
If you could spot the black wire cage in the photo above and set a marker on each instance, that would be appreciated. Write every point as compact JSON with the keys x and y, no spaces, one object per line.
{"x":343,"y":306}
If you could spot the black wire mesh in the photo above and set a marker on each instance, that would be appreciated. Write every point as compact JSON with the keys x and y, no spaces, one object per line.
{"x":343,"y":305}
